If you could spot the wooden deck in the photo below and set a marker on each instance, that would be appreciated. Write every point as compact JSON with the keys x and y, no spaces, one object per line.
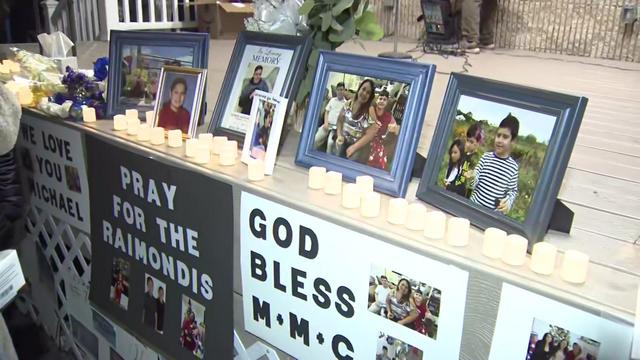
{"x":602,"y":184}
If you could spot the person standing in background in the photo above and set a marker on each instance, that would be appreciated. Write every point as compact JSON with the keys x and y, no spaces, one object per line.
{"x":478,"y":25}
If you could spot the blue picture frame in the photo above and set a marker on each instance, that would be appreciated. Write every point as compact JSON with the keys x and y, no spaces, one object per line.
{"x":418,"y":76}
{"x":568,"y":111}
{"x":300,"y":46}
{"x":198,"y":42}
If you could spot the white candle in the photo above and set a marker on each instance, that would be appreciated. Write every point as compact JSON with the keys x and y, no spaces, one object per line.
{"x":157,"y":136}
{"x":543,"y":258}
{"x":333,"y":183}
{"x":515,"y":250}
{"x":174,"y":138}
{"x":131,"y":113}
{"x":206,"y":138}
{"x":458,"y":231}
{"x":493,"y":243}
{"x":575,"y":265}
{"x":365,"y":184}
{"x":149,"y":116}
{"x":217,"y":143}
{"x":144,"y":132}
{"x":351,"y":196}
{"x":229,"y":153}
{"x":416,"y":214}
{"x":119,"y":122}
{"x":203,"y":155}
{"x":25,"y":96}
{"x":4,"y":70}
{"x":370,"y":206}
{"x":191,"y":147}
{"x":435,"y":224}
{"x":397,"y":211}
{"x":255,"y":168}
{"x":88,"y":114}
{"x":317,"y":177}
{"x":132,"y":125}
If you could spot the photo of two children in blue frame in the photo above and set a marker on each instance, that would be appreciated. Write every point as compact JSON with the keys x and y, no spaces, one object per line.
{"x":495,"y":154}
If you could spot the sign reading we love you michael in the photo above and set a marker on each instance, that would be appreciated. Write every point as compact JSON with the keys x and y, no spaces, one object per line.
{"x":317,"y":290}
{"x":52,"y":158}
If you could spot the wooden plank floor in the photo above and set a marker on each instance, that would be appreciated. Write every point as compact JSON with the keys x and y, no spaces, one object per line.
{"x":602,"y":184}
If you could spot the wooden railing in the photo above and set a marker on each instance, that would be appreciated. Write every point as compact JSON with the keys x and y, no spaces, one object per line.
{"x":86,"y":20}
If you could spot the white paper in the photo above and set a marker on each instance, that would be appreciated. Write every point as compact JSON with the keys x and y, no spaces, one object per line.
{"x":519,"y":309}
{"x":345,"y":259}
{"x":11,"y":277}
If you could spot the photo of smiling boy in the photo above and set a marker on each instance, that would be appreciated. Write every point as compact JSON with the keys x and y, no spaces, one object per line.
{"x":495,"y":181}
{"x":173,"y":115}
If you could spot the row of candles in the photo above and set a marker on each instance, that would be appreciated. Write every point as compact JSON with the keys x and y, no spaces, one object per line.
{"x":199,"y":149}
{"x":511,"y":249}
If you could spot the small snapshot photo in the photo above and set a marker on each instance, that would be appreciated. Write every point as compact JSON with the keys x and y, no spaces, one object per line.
{"x":549,"y":341}
{"x":494,"y":155}
{"x":179,"y":99}
{"x":141,"y":67}
{"x":155,"y":292}
{"x":119,"y":290}
{"x":360,"y":119}
{"x":390,"y":348}
{"x":192,"y":330}
{"x":73,"y":178}
{"x":256,"y":77}
{"x":404,"y":300}
{"x":265,"y":127}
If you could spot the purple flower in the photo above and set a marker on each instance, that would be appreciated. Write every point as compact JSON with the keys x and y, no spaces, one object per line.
{"x":101,"y":68}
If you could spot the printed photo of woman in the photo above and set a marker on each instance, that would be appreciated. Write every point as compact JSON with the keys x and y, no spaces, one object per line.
{"x":357,"y":125}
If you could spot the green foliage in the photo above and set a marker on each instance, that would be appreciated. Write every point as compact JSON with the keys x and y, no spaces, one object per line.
{"x":332,"y":22}
{"x":528,"y":152}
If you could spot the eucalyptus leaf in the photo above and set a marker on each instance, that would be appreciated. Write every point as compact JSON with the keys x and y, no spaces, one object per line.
{"x":371,"y":31}
{"x":336,"y":26}
{"x":306,"y":7}
{"x":341,"y":6}
{"x":367,"y":17}
{"x":327,"y":18}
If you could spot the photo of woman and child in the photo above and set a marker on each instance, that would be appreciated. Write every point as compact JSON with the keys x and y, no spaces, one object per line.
{"x":262,"y":129}
{"x":360,"y":125}
{"x":192,"y":329}
{"x":119,"y":289}
{"x":402,"y":300}
{"x":550,"y":342}
{"x":495,"y":155}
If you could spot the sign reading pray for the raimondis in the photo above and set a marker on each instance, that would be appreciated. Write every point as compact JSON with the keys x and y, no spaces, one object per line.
{"x":317,"y":290}
{"x":162,"y":252}
{"x":53,"y":159}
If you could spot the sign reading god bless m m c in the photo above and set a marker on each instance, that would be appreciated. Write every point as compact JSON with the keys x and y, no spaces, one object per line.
{"x":317,"y":290}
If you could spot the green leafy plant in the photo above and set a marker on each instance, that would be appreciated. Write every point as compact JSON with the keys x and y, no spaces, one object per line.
{"x":332,"y":22}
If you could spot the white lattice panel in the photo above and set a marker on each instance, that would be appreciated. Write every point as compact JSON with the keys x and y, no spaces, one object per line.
{"x":64,"y":249}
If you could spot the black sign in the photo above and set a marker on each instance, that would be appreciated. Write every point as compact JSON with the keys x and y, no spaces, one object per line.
{"x":162,"y":246}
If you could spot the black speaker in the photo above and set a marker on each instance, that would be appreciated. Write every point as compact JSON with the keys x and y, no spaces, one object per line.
{"x":440,"y":22}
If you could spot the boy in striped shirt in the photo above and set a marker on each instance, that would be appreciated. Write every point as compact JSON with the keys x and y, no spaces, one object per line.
{"x":495,"y":181}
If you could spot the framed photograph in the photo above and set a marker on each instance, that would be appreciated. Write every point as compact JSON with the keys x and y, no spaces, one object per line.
{"x":136,"y":61}
{"x":531,"y":326}
{"x":366,"y":119}
{"x":272,"y":63}
{"x":180,"y":96}
{"x":499,"y":153}
{"x":267,"y":117}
